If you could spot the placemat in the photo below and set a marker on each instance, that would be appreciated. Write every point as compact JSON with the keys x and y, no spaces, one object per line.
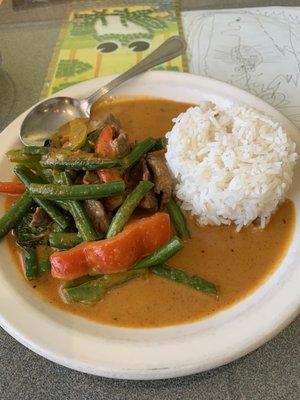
{"x":108,"y":39}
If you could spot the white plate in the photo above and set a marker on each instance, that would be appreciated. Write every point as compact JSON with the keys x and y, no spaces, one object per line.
{"x":161,"y":352}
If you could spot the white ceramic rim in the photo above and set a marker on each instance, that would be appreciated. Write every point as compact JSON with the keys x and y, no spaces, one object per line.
{"x":161,"y":352}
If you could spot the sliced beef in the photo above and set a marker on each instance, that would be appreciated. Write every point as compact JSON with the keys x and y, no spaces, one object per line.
{"x":110,"y":119}
{"x":40,"y":219}
{"x":140,"y":172}
{"x":121,"y":144}
{"x":97,"y":214}
{"x":96,"y":122}
{"x":90,"y":177}
{"x":149,"y":202}
{"x":161,"y":177}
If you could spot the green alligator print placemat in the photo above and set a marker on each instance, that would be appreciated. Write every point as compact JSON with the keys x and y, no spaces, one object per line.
{"x":99,"y":41}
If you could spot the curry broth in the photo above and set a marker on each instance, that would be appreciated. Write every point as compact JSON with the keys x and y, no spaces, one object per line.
{"x":237,"y":262}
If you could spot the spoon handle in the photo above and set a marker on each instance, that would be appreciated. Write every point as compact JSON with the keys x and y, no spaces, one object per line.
{"x":171,"y":48}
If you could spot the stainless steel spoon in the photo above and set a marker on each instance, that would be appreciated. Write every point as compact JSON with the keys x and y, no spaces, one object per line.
{"x":44,"y":119}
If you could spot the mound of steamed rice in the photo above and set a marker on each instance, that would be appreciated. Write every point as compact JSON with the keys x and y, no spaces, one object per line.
{"x":232,"y":165}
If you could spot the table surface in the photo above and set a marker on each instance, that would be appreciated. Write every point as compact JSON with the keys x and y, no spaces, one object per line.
{"x":271,"y":372}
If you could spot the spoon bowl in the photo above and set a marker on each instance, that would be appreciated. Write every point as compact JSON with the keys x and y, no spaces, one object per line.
{"x":47,"y":117}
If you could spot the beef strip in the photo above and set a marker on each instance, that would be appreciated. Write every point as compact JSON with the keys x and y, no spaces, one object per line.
{"x":98,"y":123}
{"x":140,"y":172}
{"x":97,"y":214}
{"x":161,"y":177}
{"x":149,"y":202}
{"x":90,"y":177}
{"x":110,"y":119}
{"x":121,"y":144}
{"x":40,"y":218}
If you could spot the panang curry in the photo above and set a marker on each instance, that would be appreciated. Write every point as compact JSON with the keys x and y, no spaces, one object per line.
{"x":104,"y":238}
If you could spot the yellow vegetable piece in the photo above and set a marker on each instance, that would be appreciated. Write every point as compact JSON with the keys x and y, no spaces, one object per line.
{"x":77,"y":134}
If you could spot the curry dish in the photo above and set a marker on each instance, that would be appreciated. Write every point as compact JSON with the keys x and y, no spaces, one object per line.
{"x":231,"y":264}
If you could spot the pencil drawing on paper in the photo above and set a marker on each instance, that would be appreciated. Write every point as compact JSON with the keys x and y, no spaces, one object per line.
{"x":255,"y":49}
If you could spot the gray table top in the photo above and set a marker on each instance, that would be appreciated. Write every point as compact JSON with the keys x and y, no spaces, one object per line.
{"x":271,"y":372}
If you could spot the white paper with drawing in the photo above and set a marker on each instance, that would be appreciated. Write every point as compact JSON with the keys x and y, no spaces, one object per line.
{"x":256,"y":49}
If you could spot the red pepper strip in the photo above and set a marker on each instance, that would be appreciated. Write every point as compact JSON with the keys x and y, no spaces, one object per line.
{"x":105,"y":149}
{"x":12,"y":187}
{"x":109,"y":175}
{"x":117,"y":254}
{"x":104,"y":143}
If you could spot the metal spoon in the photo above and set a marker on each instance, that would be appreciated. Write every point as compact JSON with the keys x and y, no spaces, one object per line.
{"x":44,"y":119}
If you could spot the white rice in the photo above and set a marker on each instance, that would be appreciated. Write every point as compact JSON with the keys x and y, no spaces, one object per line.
{"x":232,"y":165}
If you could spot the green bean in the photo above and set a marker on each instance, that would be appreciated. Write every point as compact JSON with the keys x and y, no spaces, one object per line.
{"x":160,"y":144}
{"x":33,"y":165}
{"x":43,"y":253}
{"x":137,"y":153}
{"x":57,"y":228}
{"x":18,"y":156}
{"x":76,"y":192}
{"x":87,"y":148}
{"x":64,"y":240}
{"x":44,"y":173}
{"x":79,"y":163}
{"x":30,"y":263}
{"x":125,"y":211}
{"x":87,"y":161}
{"x":89,"y":145}
{"x":35,"y":150}
{"x":192,"y":281}
{"x":178,"y":219}
{"x":64,"y":204}
{"x":82,"y":220}
{"x":27,"y":177}
{"x":94,"y":290}
{"x":14,"y":214}
{"x":161,"y":255}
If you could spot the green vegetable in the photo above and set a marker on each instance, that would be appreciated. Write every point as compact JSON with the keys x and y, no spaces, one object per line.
{"x":160,"y":144}
{"x":89,"y":162}
{"x":82,"y":221}
{"x":87,"y":147}
{"x":43,"y":253}
{"x":125,"y":211}
{"x":192,"y":281}
{"x":94,"y":290}
{"x":76,"y":192}
{"x":33,"y":165}
{"x":91,"y":141}
{"x":45,"y":174}
{"x":35,"y":150}
{"x":137,"y":153}
{"x":57,"y":228}
{"x":178,"y":219}
{"x":161,"y":255}
{"x":11,"y":218}
{"x":18,"y":156}
{"x":30,"y":263}
{"x":27,"y":177}
{"x":64,"y":240}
